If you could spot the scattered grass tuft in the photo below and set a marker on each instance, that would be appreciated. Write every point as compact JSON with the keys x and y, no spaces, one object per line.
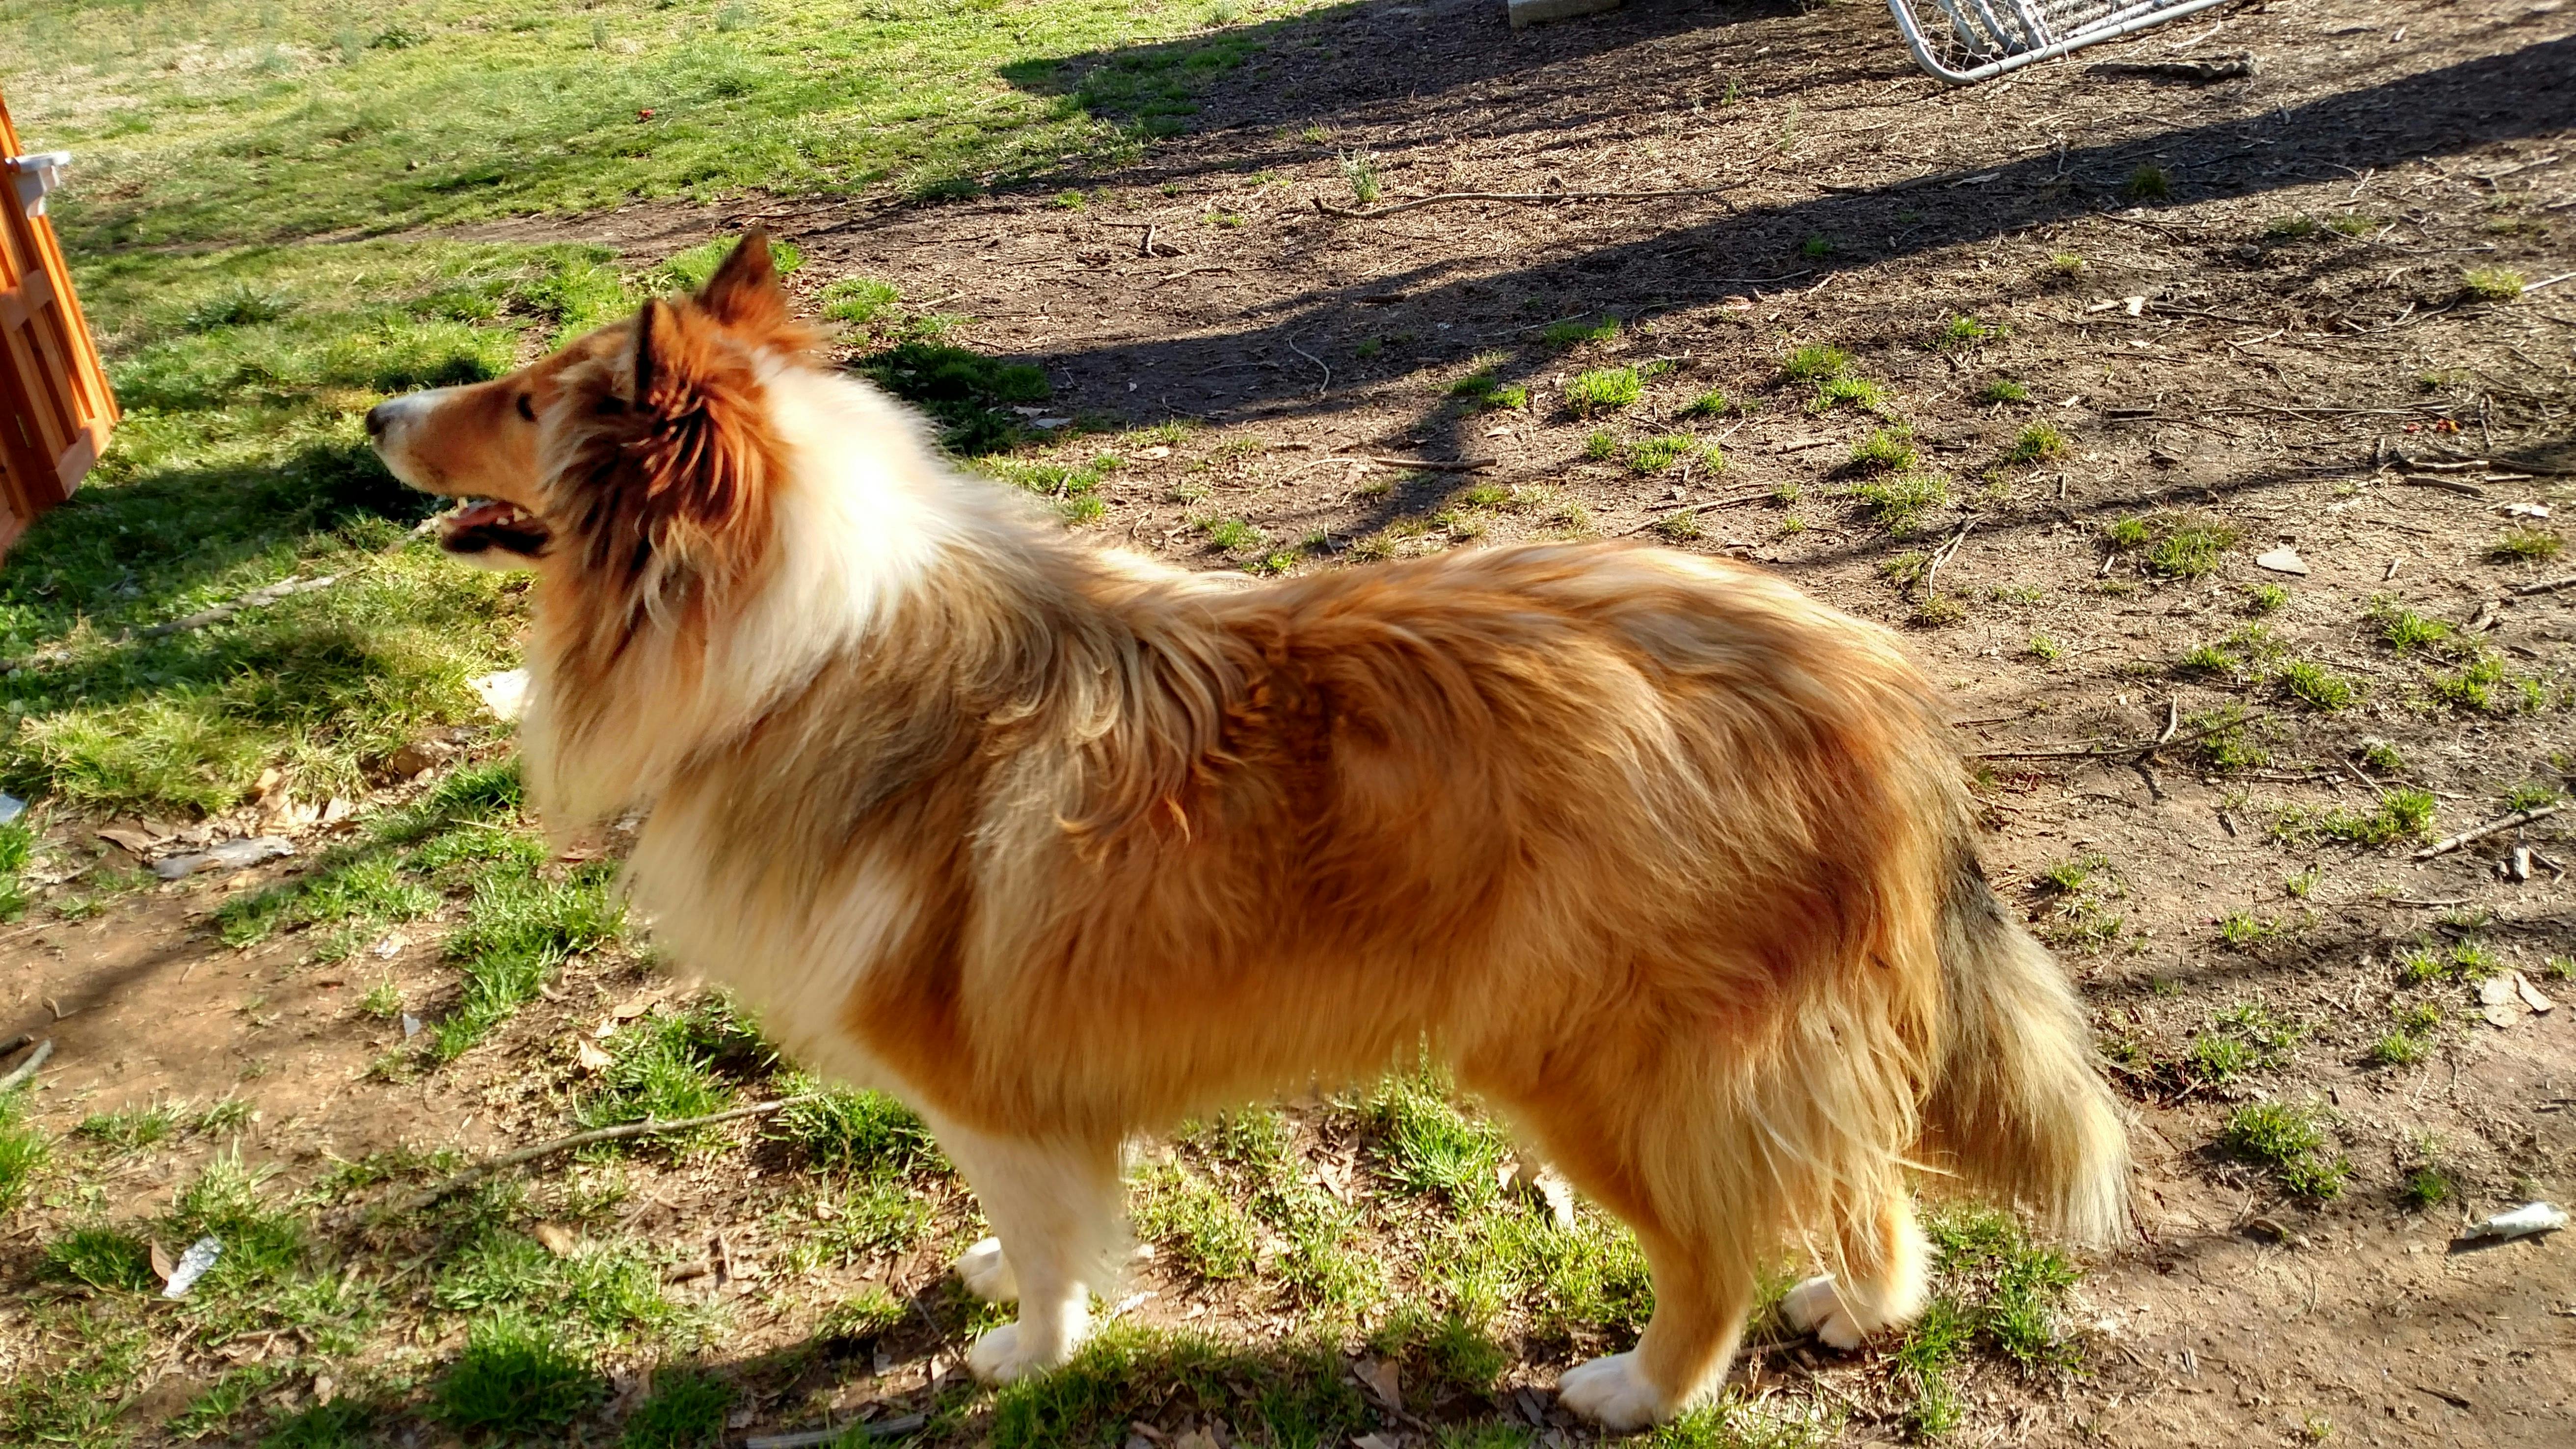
{"x":515,"y":1376}
{"x":1602,"y":390}
{"x":1816,"y":363}
{"x":1576,"y":332}
{"x":1886,"y":450}
{"x":1834,"y":392}
{"x":2003,"y":390}
{"x":2525,"y":545}
{"x":2037,"y":443}
{"x":1898,"y":502}
{"x":2491,"y":284}
{"x":2316,"y":686}
{"x":2402,"y":814}
{"x":2290,"y":1141}
{"x":2149,"y":182}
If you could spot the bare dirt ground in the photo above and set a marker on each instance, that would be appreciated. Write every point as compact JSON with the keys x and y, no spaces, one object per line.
{"x":2330,"y":389}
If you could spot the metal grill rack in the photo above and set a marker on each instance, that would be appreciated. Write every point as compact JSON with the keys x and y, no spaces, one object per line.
{"x":1962,"y":41}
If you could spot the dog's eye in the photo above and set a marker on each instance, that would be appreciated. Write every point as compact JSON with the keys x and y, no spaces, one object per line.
{"x":527,"y":409}
{"x":610,"y":403}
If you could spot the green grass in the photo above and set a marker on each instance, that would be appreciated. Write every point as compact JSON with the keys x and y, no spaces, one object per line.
{"x":2149,"y":182}
{"x":1196,"y":1222}
{"x":2316,"y":686}
{"x":1359,"y":170}
{"x":1295,"y":1394}
{"x":2265,"y":598}
{"x":1992,"y":1289}
{"x":2228,"y":738}
{"x":2491,"y":284}
{"x":2403,"y":629}
{"x":2525,"y":545}
{"x":1234,"y":535}
{"x":1576,"y":332}
{"x":2291,"y":1142}
{"x":1602,"y":390}
{"x":1960,"y":333}
{"x":1426,"y":1146}
{"x":2003,"y":390}
{"x":520,"y":106}
{"x":2427,"y":1188}
{"x":2241,"y":1038}
{"x":2402,"y":814}
{"x":24,"y":1150}
{"x":1710,"y":404}
{"x":846,"y":1129}
{"x":665,"y":1067}
{"x":515,"y":1378}
{"x":2188,"y":549}
{"x":1886,"y":450}
{"x":2291,"y":228}
{"x":1659,"y":454}
{"x":519,"y":927}
{"x":2038,"y":443}
{"x":1816,"y":363}
{"x":686,"y":1411}
{"x":1860,"y":392}
{"x":102,"y":1257}
{"x":131,"y":1129}
{"x":1898,"y":502}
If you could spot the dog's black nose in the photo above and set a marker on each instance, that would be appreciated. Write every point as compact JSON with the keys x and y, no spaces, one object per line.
{"x":376,"y":420}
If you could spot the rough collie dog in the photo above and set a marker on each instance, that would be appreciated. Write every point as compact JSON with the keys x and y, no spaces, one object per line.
{"x":1672,"y":864}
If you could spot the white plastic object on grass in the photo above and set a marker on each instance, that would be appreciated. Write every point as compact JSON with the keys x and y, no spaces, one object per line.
{"x":192,"y":1266}
{"x":35,"y":175}
{"x":504,"y":694}
{"x":2528,"y":1220}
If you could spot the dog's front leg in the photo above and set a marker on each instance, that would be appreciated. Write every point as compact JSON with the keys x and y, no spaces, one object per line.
{"x":1053,"y":1204}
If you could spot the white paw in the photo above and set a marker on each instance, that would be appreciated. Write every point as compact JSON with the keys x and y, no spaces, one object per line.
{"x":998,"y":1358}
{"x":987,"y":1273}
{"x":1611,"y":1391}
{"x":1816,"y":1306}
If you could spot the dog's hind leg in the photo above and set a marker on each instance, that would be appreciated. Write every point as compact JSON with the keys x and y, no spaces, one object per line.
{"x":1053,"y":1205}
{"x":1640,"y":1142}
{"x":1882,"y":1281}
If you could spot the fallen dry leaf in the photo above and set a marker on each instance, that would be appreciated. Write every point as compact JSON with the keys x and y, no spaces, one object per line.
{"x":557,"y":1238}
{"x":1383,"y":1380}
{"x":592,"y":1059}
{"x":162,"y":1267}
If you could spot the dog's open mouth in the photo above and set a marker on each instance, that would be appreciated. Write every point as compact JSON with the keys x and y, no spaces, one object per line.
{"x":487,"y":525}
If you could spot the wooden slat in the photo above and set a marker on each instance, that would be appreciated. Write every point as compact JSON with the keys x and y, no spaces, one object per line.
{"x":59,"y":406}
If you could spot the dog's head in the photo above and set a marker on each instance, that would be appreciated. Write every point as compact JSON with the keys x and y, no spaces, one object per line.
{"x":638,"y":457}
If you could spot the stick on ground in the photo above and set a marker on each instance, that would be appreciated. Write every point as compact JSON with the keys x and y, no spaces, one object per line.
{"x":2466,"y":837}
{"x":28,"y":1067}
{"x":623,"y":1130}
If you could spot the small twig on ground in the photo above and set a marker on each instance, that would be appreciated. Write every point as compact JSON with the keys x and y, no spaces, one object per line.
{"x":1324,"y":386}
{"x":2546,"y":586}
{"x":28,"y":1067}
{"x":648,"y":1127}
{"x":2548,"y":282}
{"x":256,"y":598}
{"x":2450,"y":485}
{"x":1942,"y":554}
{"x":2106,"y":751}
{"x":1729,"y":501}
{"x":1524,"y":197}
{"x":2466,"y":837}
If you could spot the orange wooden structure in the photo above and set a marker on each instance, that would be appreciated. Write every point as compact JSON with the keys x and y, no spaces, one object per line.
{"x":57,"y":404}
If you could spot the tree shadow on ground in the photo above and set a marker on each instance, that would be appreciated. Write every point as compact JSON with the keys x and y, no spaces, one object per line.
{"x":1273,"y":366}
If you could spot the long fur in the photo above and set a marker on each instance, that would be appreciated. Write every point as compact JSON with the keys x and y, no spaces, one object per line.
{"x":1671,"y":862}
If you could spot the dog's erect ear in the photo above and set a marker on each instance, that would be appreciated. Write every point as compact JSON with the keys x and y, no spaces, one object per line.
{"x":744,"y":293}
{"x":704,"y":459}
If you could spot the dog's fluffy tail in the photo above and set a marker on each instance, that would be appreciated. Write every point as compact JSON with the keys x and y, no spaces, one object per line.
{"x":2019,"y":1111}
